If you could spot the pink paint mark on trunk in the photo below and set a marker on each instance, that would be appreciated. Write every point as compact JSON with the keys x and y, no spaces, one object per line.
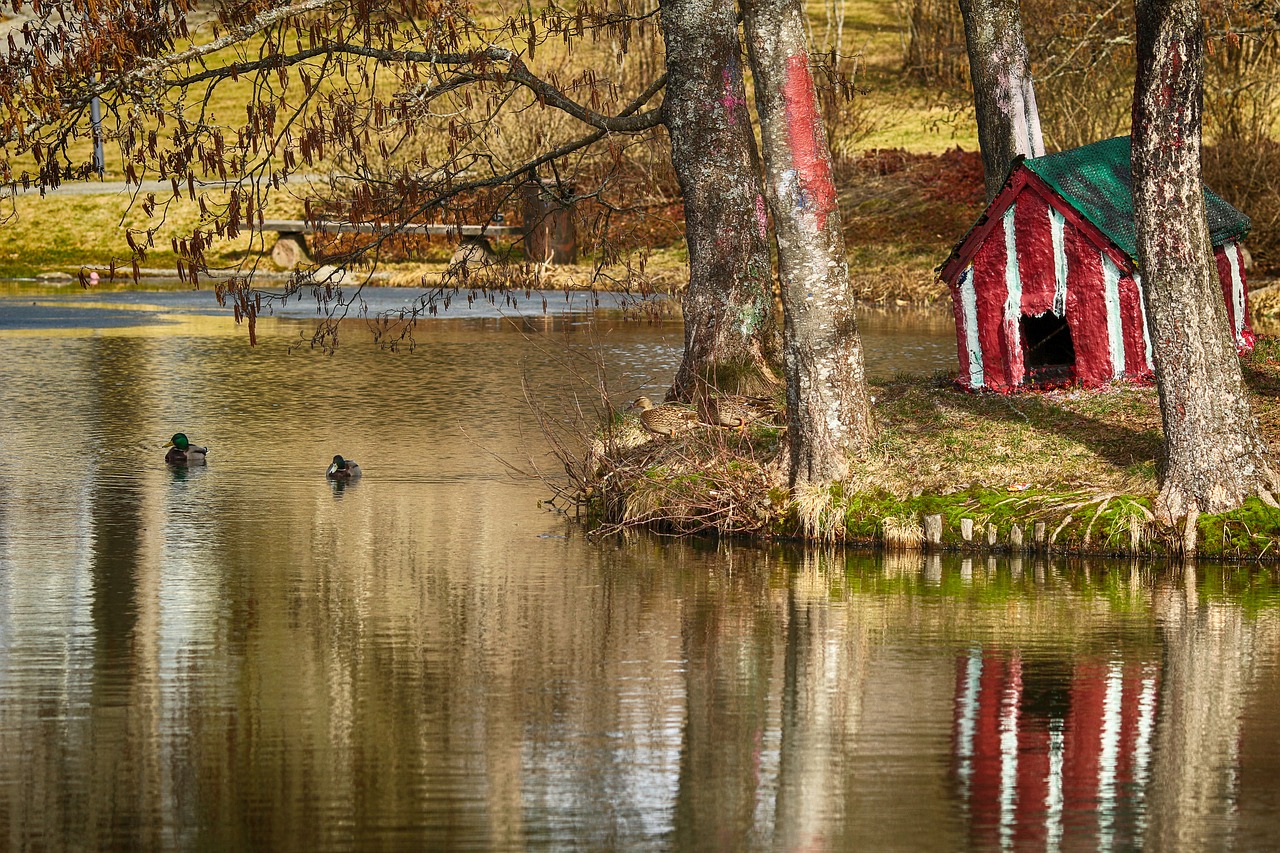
{"x":730,"y":100}
{"x":762,"y":217}
{"x":804,"y":134}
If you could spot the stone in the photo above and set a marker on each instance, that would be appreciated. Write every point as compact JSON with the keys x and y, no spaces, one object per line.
{"x":290,"y":251}
{"x":933,"y":530}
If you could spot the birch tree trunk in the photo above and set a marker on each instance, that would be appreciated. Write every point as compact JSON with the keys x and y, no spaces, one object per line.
{"x":1004,"y":96}
{"x":1214,"y":455}
{"x":828,"y":408}
{"x":730,"y":333}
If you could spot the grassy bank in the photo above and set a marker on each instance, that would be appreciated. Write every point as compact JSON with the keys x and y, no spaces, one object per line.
{"x":1076,"y":466}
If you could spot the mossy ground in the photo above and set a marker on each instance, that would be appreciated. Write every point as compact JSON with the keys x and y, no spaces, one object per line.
{"x":1082,"y":462}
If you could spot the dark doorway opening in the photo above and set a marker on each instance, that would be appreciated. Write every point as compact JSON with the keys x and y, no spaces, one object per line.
{"x":1048,"y":353}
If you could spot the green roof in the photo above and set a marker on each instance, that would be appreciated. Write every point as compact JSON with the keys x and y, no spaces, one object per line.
{"x":1095,"y":180}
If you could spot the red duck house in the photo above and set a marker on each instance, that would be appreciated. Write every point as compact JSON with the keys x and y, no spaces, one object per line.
{"x":1046,"y":285}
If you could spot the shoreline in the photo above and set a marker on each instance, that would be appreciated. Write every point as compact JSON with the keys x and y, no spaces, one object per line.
{"x":1070,"y":471}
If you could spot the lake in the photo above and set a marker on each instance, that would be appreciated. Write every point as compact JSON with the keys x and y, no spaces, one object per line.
{"x":248,"y":656}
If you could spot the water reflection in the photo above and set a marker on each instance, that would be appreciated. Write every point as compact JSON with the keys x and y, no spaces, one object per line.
{"x":250,"y":655}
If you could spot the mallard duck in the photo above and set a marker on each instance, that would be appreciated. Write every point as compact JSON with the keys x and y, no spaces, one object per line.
{"x":735,"y":411}
{"x":183,"y":452}
{"x":342,"y":469}
{"x":666,"y":419}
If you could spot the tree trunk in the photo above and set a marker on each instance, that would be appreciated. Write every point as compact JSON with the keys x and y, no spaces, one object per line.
{"x":1214,"y":456}
{"x":730,"y":333}
{"x":828,"y":408}
{"x":1003,"y":94}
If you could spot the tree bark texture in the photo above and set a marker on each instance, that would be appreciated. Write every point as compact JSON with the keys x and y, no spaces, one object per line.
{"x":1214,"y":455}
{"x":1004,"y":96}
{"x":828,"y":408}
{"x":730,"y":333}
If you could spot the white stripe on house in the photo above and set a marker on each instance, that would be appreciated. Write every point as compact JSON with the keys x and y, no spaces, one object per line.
{"x":1146,"y":326}
{"x":969,"y":308}
{"x":1232,"y":251}
{"x":1057,"y":227}
{"x":1115,"y":328}
{"x":1013,"y":287}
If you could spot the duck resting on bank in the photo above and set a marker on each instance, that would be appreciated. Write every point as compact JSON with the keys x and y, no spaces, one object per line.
{"x":183,"y":452}
{"x":342,"y":469}
{"x":666,"y":419}
{"x":735,"y":411}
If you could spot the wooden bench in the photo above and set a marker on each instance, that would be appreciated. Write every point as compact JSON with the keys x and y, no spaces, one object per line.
{"x":548,"y":232}
{"x":290,"y":249}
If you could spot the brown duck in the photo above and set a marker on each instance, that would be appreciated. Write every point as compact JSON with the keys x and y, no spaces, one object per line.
{"x":666,"y":419}
{"x":732,"y":410}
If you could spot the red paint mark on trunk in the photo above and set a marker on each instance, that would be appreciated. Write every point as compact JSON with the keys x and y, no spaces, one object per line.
{"x":808,"y":149}
{"x":1035,"y":254}
{"x":989,"y":285}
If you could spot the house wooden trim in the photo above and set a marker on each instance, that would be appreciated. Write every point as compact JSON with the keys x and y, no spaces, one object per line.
{"x":1022,"y":177}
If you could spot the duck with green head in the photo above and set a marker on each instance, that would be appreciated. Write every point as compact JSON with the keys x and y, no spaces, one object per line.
{"x":183,"y":452}
{"x":342,"y":469}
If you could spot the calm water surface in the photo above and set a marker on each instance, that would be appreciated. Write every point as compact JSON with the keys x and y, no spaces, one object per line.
{"x":246,"y":656}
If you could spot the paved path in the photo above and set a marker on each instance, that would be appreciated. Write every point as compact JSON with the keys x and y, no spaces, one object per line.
{"x":157,"y":187}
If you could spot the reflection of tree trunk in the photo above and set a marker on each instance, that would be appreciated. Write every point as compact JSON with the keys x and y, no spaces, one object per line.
{"x":828,"y":408}
{"x":127,"y":758}
{"x":820,"y":708}
{"x":504,"y":772}
{"x":1003,"y":94}
{"x":729,"y":652}
{"x":1259,"y":800}
{"x":1206,"y":674}
{"x":730,"y":335}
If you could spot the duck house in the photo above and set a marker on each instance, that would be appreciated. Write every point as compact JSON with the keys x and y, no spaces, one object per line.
{"x":1046,"y":286}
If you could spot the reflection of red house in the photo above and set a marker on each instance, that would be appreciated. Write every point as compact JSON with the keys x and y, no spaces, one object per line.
{"x":1032,"y":769}
{"x":1045,"y":286}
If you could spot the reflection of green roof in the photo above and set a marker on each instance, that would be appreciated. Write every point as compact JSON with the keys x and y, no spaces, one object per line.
{"x":1095,"y":180}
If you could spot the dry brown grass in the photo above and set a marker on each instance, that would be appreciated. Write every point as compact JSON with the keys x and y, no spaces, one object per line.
{"x":706,"y":480}
{"x":938,"y":439}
